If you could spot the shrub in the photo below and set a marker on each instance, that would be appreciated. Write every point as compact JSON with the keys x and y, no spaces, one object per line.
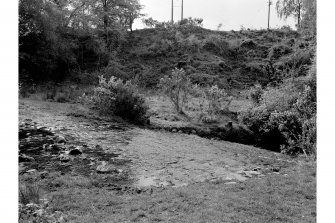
{"x":121,"y":99}
{"x":191,"y":43}
{"x":249,"y":44}
{"x":280,"y":98}
{"x":217,"y":44}
{"x":176,"y":87}
{"x":278,"y":50}
{"x":216,"y":98}
{"x":256,"y":93}
{"x":203,"y":79}
{"x":274,"y":130}
{"x":149,"y":78}
{"x":295,"y":64}
{"x":285,"y":120}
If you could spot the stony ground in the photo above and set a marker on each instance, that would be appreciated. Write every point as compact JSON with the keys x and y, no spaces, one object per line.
{"x":64,"y":145}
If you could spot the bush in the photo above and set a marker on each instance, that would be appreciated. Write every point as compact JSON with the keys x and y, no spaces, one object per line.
{"x":149,"y":78}
{"x":216,"y":98}
{"x":274,"y":130}
{"x":217,"y":44}
{"x":256,"y":93}
{"x":176,"y":87}
{"x":285,"y":120}
{"x":278,"y":51}
{"x":121,"y":99}
{"x":280,"y":98}
{"x":295,"y":64}
{"x":203,"y":79}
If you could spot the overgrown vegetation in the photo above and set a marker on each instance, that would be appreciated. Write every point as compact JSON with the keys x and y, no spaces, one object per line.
{"x":177,"y":87}
{"x":114,"y":97}
{"x":79,"y":41}
{"x":285,"y":118}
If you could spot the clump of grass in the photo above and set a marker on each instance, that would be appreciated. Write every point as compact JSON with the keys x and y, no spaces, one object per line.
{"x":29,"y":193}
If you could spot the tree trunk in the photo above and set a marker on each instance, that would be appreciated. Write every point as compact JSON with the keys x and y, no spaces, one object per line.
{"x":299,"y":14}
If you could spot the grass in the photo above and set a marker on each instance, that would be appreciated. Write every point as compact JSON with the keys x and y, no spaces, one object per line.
{"x":288,"y":197}
{"x":29,"y":193}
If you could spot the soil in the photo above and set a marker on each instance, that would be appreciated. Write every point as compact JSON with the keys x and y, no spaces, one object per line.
{"x":90,"y":168}
{"x":141,"y":157}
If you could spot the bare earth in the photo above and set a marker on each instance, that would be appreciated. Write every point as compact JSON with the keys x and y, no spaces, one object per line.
{"x":158,"y":158}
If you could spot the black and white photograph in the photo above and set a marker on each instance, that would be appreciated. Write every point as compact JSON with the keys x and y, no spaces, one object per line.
{"x":165,"y":111}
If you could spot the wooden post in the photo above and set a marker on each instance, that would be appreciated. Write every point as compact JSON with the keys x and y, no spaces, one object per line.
{"x":182,"y":10}
{"x":269,"y":15}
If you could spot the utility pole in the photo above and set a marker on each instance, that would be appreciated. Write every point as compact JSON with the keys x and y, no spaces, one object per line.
{"x":172,"y":12}
{"x":269,"y":15}
{"x":182,"y":10}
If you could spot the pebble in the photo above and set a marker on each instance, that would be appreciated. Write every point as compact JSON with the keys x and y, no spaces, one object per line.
{"x":76,"y":151}
{"x":31,"y":171}
{"x":60,"y":139}
{"x":230,"y":183}
{"x":105,"y":168}
{"x":64,"y":158}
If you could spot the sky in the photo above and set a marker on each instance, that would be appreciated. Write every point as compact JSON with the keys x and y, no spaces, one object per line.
{"x":232,"y":14}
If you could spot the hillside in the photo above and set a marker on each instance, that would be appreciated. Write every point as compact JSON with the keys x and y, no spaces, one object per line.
{"x":232,"y":60}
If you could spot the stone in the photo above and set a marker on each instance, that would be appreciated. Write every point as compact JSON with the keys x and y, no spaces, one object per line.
{"x":64,"y":158}
{"x":275,"y":169}
{"x":60,"y":139}
{"x":25,"y":158}
{"x":44,"y":174}
{"x":194,"y":132}
{"x":105,"y":168}
{"x":230,"y":183}
{"x":31,"y":171}
{"x":54,"y":147}
{"x":174,"y":130}
{"x":76,"y":151}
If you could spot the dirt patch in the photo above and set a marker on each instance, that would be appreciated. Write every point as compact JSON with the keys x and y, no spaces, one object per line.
{"x":42,"y":150}
{"x":150,"y":157}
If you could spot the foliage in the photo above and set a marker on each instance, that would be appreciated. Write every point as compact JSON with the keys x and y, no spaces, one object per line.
{"x":176,"y":87}
{"x":191,"y":43}
{"x":191,"y":22}
{"x":278,"y":51}
{"x":216,"y":44}
{"x":308,"y":23}
{"x":256,"y":93}
{"x":280,"y":98}
{"x":203,"y":79}
{"x":295,"y":64}
{"x":150,"y":22}
{"x":40,"y":212}
{"x":286,"y":8}
{"x":57,"y":37}
{"x":216,"y":98}
{"x":303,"y":10}
{"x":284,"y":119}
{"x":29,"y":194}
{"x":122,"y":99}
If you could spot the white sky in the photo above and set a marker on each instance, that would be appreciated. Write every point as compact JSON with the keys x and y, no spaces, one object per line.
{"x":231,"y":13}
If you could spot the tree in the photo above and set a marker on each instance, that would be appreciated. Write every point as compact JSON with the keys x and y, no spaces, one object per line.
{"x":286,"y":8}
{"x":150,"y":22}
{"x":176,"y":87}
{"x":308,"y":22}
{"x":131,"y":12}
